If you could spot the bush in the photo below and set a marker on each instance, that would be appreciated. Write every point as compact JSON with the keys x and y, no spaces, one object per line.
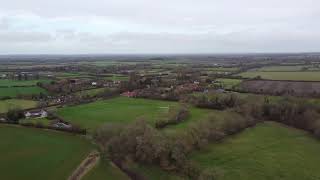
{"x":13,"y":115}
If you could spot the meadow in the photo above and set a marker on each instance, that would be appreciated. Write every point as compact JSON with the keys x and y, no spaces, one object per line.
{"x":298,"y":76}
{"x":105,"y":170}
{"x":33,"y":154}
{"x":9,"y":83}
{"x":91,"y":92}
{"x":6,"y":105}
{"x":15,"y":91}
{"x":288,"y":68}
{"x":122,"y":110}
{"x":267,"y":151}
{"x":229,"y":83}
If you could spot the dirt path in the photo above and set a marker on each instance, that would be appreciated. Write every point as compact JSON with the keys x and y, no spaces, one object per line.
{"x":85,"y":166}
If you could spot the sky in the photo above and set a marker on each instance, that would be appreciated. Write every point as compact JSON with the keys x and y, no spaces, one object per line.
{"x":164,"y":26}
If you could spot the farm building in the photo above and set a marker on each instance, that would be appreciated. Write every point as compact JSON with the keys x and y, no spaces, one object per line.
{"x":36,"y":114}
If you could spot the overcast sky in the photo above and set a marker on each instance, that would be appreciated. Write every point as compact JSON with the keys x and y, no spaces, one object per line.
{"x":163,"y":26}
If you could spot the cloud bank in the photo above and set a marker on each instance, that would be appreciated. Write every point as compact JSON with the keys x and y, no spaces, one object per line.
{"x":166,"y":26}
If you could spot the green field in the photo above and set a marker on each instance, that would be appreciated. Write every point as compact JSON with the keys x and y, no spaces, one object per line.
{"x":7,"y":82}
{"x":91,"y":92}
{"x":153,"y":172}
{"x":122,"y":110}
{"x":229,"y":83}
{"x":222,"y":69}
{"x":42,"y":121}
{"x":288,"y":68}
{"x":6,"y":105}
{"x":268,"y":151}
{"x":104,"y":170}
{"x":117,"y":77}
{"x":33,"y":154}
{"x":299,"y":76}
{"x":15,"y":91}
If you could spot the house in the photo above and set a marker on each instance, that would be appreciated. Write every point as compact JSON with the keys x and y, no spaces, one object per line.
{"x":36,"y":114}
{"x":94,"y":83}
{"x":3,"y":120}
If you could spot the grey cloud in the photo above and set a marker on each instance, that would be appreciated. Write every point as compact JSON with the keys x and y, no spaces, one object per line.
{"x":165,"y":26}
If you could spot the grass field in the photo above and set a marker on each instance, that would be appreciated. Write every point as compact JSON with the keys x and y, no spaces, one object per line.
{"x":7,"y":82}
{"x":268,"y":151}
{"x":289,"y":68}
{"x":15,"y":91}
{"x":153,"y":172}
{"x":299,"y":76}
{"x":42,"y":121}
{"x":33,"y":154}
{"x":117,"y":77}
{"x":6,"y":105}
{"x":122,"y":110}
{"x":104,"y":170}
{"x":91,"y":92}
{"x":229,"y":83}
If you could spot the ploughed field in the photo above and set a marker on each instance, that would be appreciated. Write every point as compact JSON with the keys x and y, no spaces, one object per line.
{"x":6,"y":105}
{"x":267,"y":151}
{"x":123,"y":110}
{"x":308,"y":89}
{"x":33,"y":154}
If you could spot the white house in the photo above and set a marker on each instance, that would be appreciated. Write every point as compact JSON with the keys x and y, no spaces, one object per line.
{"x":36,"y":114}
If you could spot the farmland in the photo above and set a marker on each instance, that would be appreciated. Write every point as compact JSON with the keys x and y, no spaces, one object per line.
{"x":91,"y":92}
{"x":311,"y":89}
{"x":268,"y":151}
{"x":229,"y":83}
{"x":6,"y":105}
{"x":15,"y":91}
{"x":105,"y":170}
{"x":39,"y":154}
{"x":9,"y":83}
{"x":121,"y":110}
{"x":297,"y":76}
{"x":285,"y":68}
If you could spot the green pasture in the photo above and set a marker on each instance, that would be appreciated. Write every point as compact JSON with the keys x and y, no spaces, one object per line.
{"x":267,"y":151}
{"x":6,"y":105}
{"x":34,"y":154}
{"x":104,"y":170}
{"x":229,"y":83}
{"x":298,"y":76}
{"x":122,"y":110}
{"x":15,"y":91}
{"x":8,"y":82}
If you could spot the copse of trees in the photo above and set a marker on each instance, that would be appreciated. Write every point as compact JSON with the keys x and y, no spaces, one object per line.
{"x":142,"y":143}
{"x":13,"y":115}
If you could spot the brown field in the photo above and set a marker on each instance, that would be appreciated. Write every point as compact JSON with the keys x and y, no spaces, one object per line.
{"x":295,"y":88}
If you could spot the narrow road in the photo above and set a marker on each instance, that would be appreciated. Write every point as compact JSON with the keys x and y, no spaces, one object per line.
{"x":86,"y":165}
